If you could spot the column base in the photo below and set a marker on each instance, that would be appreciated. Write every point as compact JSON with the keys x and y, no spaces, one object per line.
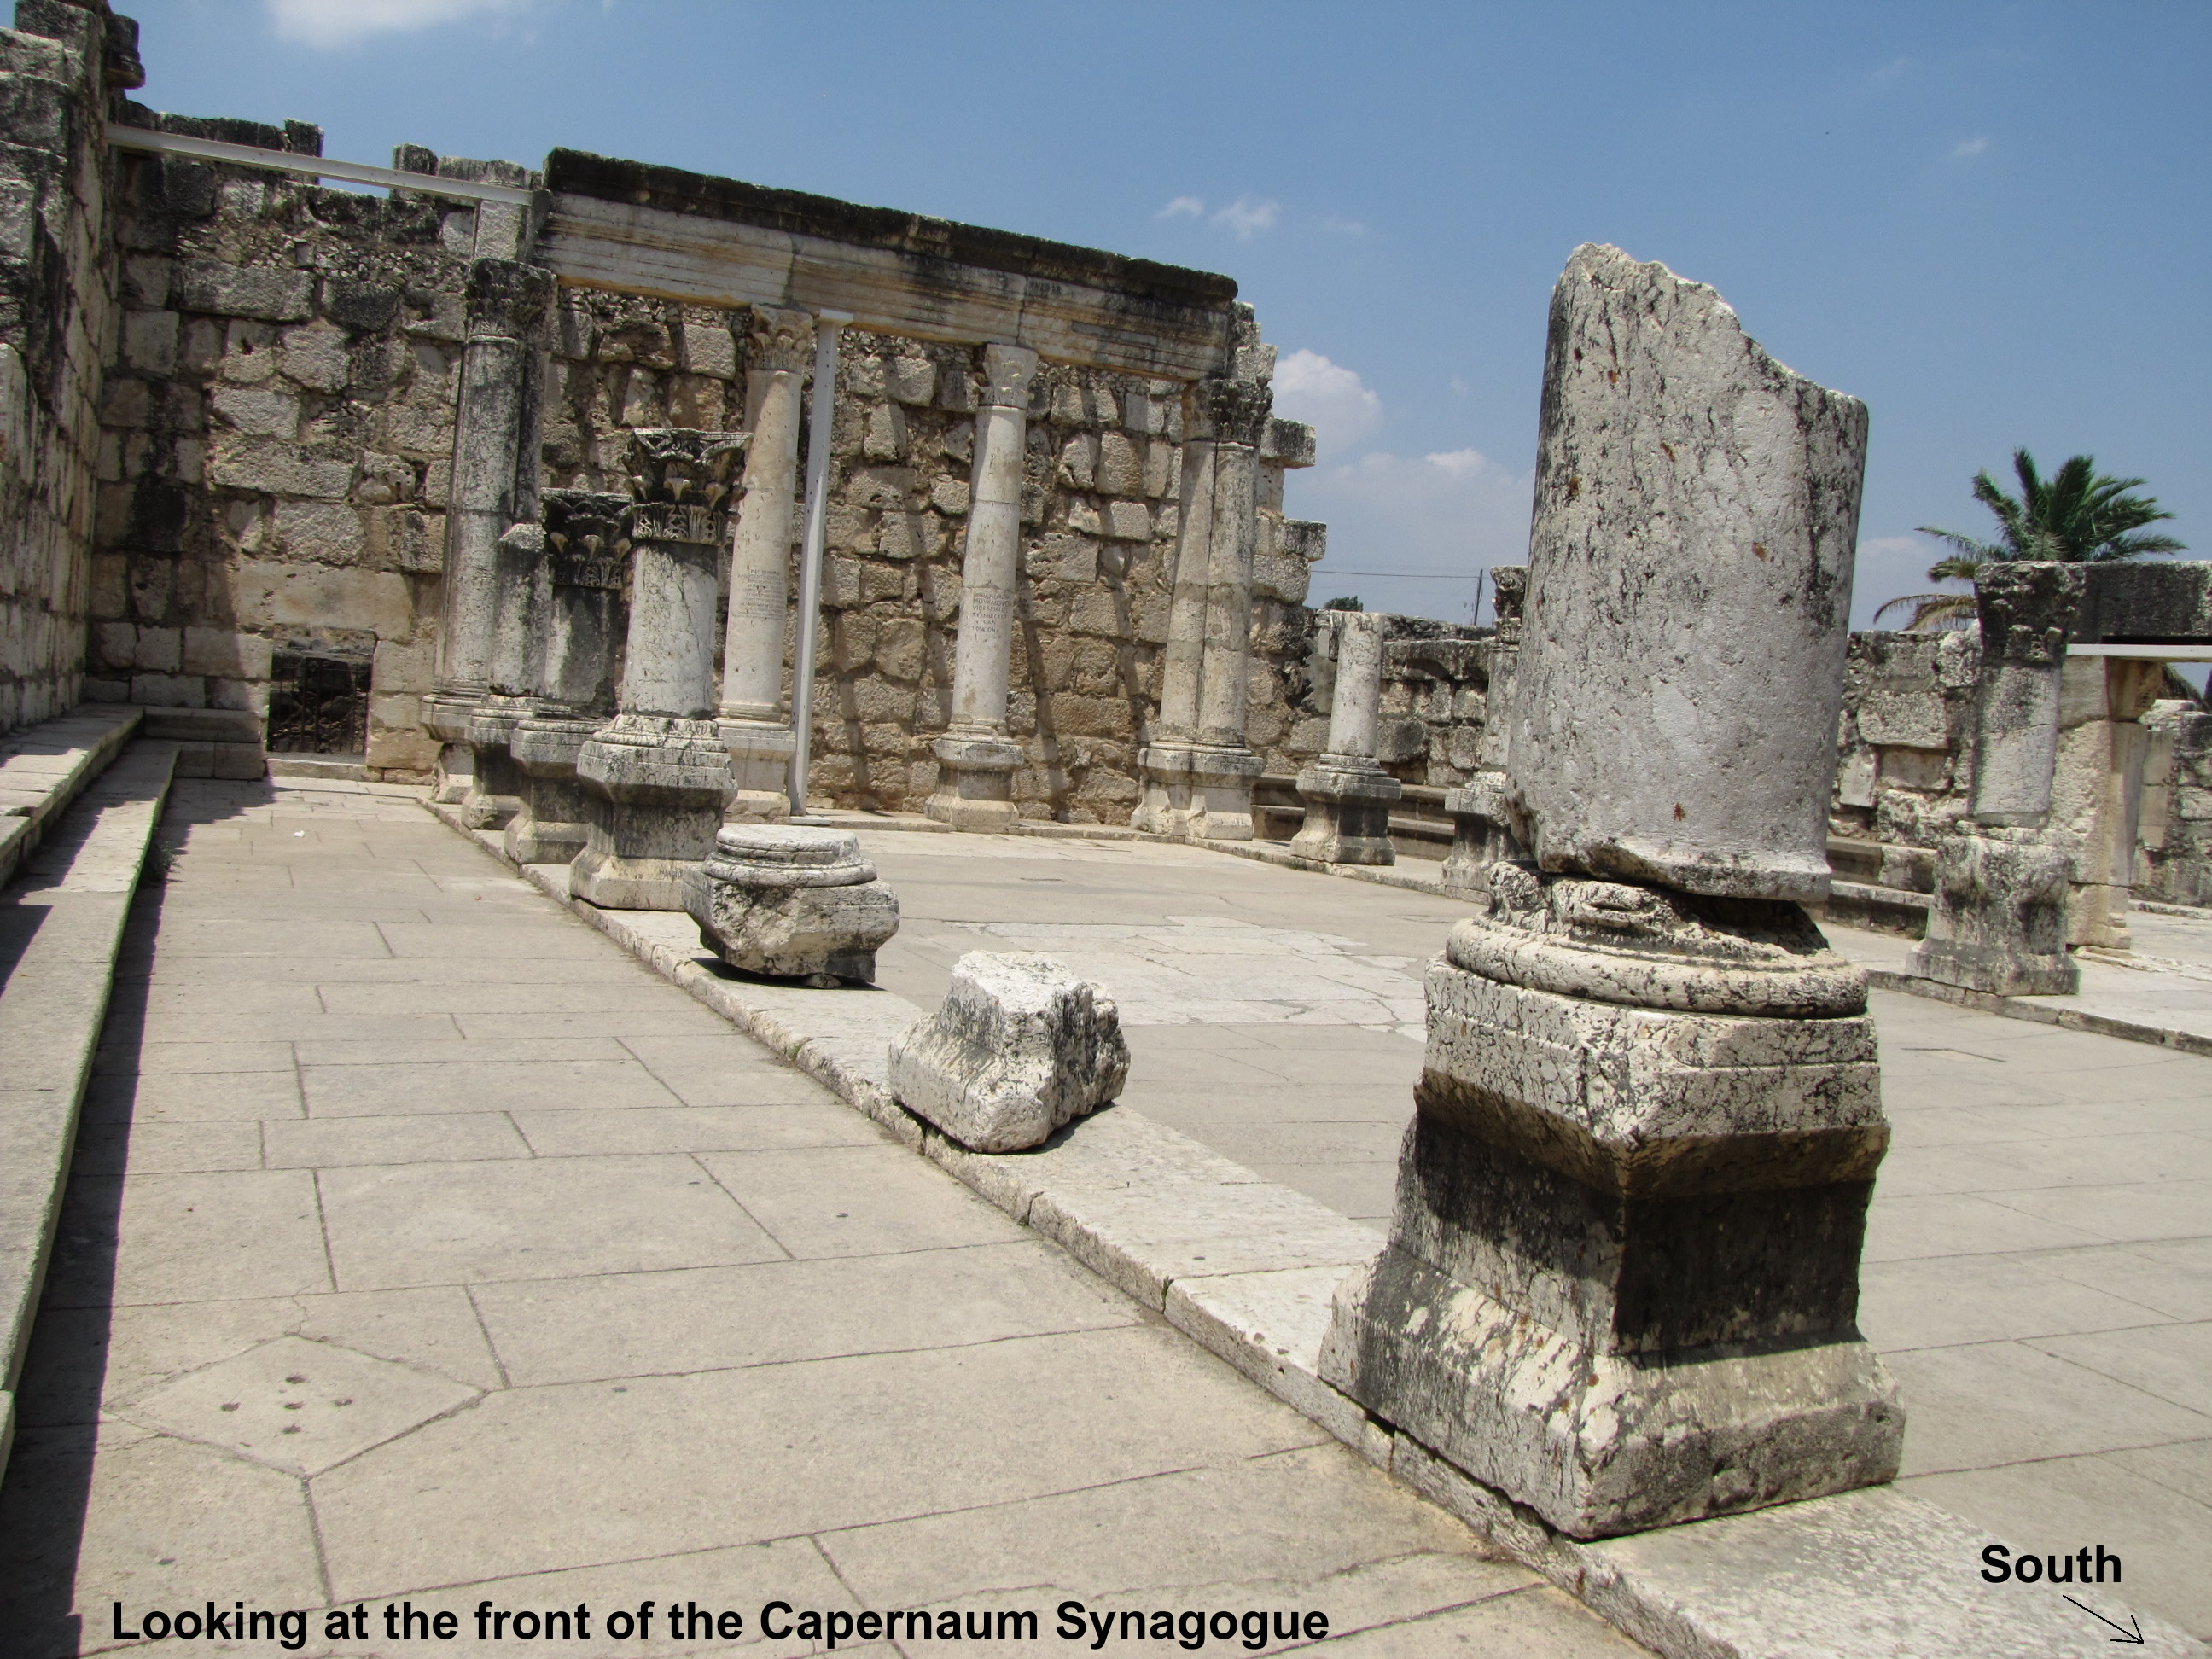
{"x":760,"y":764}
{"x":1999,"y":921}
{"x":1480,"y":834}
{"x":1221,"y":782}
{"x":494,"y":793}
{"x":976,"y":783}
{"x":550,"y":828}
{"x":1164,"y":809}
{"x":446,"y":716}
{"x":1347,"y":813}
{"x":791,"y":902}
{"x":654,"y":787}
{"x":1621,"y":1282}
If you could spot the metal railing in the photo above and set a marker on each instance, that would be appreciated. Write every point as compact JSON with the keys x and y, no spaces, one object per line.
{"x":311,"y":167}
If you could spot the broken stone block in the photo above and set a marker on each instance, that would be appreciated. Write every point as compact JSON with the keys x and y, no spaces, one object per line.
{"x":1019,"y":1047}
{"x":791,"y":902}
{"x":1999,"y":921}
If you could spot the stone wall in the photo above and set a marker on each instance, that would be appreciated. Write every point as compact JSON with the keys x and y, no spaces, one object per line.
{"x":58,"y":323}
{"x":1905,"y":740}
{"x":1100,"y":482}
{"x":2174,"y":862}
{"x":278,"y":435}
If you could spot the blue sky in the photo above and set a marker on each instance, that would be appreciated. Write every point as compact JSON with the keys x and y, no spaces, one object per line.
{"x":1988,"y":221}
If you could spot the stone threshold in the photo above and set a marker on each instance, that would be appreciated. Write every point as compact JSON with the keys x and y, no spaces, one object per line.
{"x":60,"y":931}
{"x":1246,"y":1269}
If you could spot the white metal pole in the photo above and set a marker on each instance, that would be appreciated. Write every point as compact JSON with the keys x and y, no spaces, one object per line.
{"x":828,"y":327}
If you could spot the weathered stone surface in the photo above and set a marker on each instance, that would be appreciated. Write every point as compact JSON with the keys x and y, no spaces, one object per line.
{"x":1019,"y":1047}
{"x":1347,"y":796}
{"x":654,"y":787}
{"x":2025,"y":610}
{"x":791,"y":902}
{"x":1689,"y":594}
{"x":550,"y":824}
{"x":1999,"y":921}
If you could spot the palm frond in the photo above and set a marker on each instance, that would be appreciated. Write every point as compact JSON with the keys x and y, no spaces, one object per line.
{"x":1941,"y":609}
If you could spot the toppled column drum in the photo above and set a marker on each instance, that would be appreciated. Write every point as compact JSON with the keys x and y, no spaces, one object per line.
{"x":791,"y":902}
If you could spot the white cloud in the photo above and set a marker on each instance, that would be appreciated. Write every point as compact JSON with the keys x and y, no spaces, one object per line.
{"x":341,"y":23}
{"x":1442,"y":518}
{"x":1896,"y":70}
{"x":1459,"y":387}
{"x":1338,"y":404}
{"x":1337,"y":227}
{"x":1249,"y":215}
{"x":1184,"y":207}
{"x":1969,"y":147}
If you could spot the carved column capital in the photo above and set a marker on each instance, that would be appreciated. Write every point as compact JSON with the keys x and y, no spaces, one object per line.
{"x":2027,"y":609}
{"x":508,"y":299}
{"x":1007,"y":371}
{"x":586,"y":538}
{"x":681,"y":481}
{"x":1509,"y":588}
{"x":780,"y":340}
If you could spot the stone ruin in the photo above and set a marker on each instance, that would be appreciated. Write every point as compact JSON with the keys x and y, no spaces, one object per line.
{"x":1622,"y":1274}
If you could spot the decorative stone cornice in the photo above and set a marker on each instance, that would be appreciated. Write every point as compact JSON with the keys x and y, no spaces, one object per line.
{"x":681,"y":481}
{"x":586,"y":538}
{"x":2027,"y":609}
{"x":508,"y":299}
{"x":780,"y":340}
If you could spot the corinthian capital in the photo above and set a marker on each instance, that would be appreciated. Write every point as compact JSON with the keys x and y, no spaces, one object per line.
{"x":508,"y":299}
{"x":682,"y":479}
{"x":778,"y":340}
{"x":1007,"y":371}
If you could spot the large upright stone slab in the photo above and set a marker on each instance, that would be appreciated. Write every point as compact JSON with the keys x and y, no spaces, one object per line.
{"x":1689,"y":594}
{"x":1019,"y":1047}
{"x":1621,"y":1282}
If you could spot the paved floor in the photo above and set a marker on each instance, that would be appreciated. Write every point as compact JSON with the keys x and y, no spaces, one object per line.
{"x":420,"y":1244}
{"x":2039,"y":1263}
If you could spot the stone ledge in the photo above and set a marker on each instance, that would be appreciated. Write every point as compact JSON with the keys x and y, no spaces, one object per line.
{"x":2039,"y":1011}
{"x":1246,"y":1269}
{"x":44,"y":768}
{"x":59,"y":933}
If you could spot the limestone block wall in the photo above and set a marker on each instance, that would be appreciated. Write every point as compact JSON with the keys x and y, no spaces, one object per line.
{"x":1101,"y":477}
{"x":58,"y":323}
{"x":1905,"y":739}
{"x":2174,"y":863}
{"x":278,"y":435}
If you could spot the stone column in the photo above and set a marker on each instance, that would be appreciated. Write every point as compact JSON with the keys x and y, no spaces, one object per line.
{"x":586,"y":560}
{"x":1222,"y":766}
{"x":977,"y":763}
{"x":755,"y":724}
{"x":1347,"y":796}
{"x":1481,"y":832}
{"x":656,"y":775}
{"x":1999,"y":921}
{"x":1164,"y":762}
{"x":517,"y":651}
{"x":494,"y":485}
{"x":1621,"y":1281}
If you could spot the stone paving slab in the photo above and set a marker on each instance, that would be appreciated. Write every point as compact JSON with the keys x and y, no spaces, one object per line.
{"x":1265,"y":1314}
{"x":60,"y":929}
{"x":504,"y":1394}
{"x":44,"y":768}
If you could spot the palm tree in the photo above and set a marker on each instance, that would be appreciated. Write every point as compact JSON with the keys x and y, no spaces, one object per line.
{"x":2076,"y":516}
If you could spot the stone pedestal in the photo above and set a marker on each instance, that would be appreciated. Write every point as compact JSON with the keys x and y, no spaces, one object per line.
{"x":655,"y":778}
{"x":1019,"y":1047}
{"x":1221,"y":784}
{"x":1163,"y":808}
{"x":495,"y":791}
{"x":1347,"y":813}
{"x":1999,"y":921}
{"x":791,"y":902}
{"x":446,"y":716}
{"x":1481,"y":834}
{"x":976,"y":780}
{"x":550,"y":826}
{"x":754,"y":721}
{"x":974,"y":788}
{"x":1622,"y":1278}
{"x":653,"y":787}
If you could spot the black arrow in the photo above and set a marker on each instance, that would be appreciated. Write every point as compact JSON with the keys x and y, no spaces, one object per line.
{"x":2134,"y":1635}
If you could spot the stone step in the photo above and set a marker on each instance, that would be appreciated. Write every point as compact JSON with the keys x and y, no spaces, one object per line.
{"x":60,"y":928}
{"x":43,"y":769}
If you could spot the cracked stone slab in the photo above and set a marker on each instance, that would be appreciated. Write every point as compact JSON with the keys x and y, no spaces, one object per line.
{"x":299,"y":1405}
